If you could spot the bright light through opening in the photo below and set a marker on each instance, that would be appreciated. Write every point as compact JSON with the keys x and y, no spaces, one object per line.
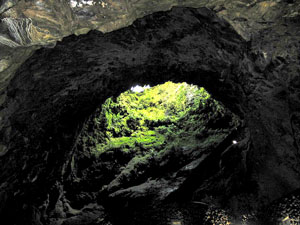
{"x":139,"y":89}
{"x":81,"y":3}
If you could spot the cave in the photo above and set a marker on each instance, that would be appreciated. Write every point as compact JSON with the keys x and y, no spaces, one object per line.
{"x":245,"y":167}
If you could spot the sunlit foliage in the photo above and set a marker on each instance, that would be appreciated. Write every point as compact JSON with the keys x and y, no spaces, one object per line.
{"x":161,"y":118}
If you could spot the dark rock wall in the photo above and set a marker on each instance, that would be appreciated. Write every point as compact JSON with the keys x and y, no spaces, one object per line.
{"x":56,"y":89}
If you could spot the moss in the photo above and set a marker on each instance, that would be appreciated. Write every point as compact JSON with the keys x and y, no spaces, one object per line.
{"x":168,"y":116}
{"x":140,"y":135}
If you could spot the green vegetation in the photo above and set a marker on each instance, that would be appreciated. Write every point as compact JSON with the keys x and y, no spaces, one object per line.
{"x":140,"y":135}
{"x":164,"y":118}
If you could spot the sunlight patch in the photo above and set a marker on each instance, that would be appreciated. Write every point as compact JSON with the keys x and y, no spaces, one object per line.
{"x":139,"y":89}
{"x":74,"y":3}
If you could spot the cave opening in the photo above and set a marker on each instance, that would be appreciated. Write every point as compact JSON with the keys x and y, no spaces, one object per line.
{"x":150,"y":138}
{"x":147,"y":117}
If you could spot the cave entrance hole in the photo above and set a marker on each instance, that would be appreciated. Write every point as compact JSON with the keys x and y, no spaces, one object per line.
{"x":148,"y":131}
{"x":147,"y":119}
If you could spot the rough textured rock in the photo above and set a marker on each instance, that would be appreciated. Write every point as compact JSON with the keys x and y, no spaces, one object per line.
{"x":57,"y":88}
{"x":33,"y":23}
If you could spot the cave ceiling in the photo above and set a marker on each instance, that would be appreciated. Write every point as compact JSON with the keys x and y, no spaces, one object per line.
{"x":31,"y":24}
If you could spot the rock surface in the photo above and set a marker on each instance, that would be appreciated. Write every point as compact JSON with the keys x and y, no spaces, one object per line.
{"x":254,"y":72}
{"x":27,"y":25}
